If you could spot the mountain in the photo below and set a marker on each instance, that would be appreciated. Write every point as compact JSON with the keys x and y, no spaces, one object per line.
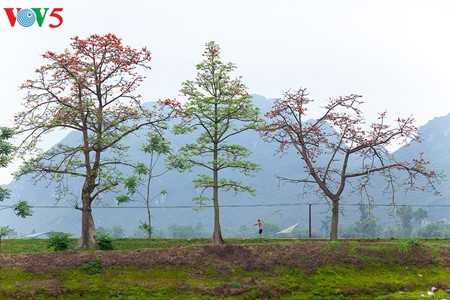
{"x":272,"y":201}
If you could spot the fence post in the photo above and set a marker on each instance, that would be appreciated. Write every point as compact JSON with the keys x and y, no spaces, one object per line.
{"x":310,"y":231}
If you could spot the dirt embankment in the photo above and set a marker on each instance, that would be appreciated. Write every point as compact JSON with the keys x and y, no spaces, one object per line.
{"x":258,"y":257}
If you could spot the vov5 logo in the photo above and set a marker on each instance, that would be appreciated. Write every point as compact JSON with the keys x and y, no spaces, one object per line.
{"x":27,"y":17}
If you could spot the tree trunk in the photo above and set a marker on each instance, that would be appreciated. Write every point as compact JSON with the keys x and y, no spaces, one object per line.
{"x":147,"y":201}
{"x":149,"y":229}
{"x":334,"y":220}
{"x":88,"y":238}
{"x":217,"y":235}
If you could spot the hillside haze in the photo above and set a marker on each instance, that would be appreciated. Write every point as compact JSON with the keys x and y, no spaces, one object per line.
{"x":239,"y":210}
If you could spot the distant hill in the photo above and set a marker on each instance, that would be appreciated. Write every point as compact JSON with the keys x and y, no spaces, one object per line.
{"x":270,"y":193}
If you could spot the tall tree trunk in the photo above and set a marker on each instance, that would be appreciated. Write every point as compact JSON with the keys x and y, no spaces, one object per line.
{"x":149,"y":229}
{"x":88,"y":238}
{"x":217,"y":235}
{"x":147,"y":200}
{"x":334,"y":220}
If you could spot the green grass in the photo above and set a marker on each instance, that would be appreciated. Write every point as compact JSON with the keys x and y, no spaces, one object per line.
{"x":375,"y":276}
{"x":15,"y":246}
{"x":283,"y":283}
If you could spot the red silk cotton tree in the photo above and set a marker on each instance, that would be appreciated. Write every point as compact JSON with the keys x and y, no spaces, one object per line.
{"x":90,"y":89}
{"x":337,"y":151}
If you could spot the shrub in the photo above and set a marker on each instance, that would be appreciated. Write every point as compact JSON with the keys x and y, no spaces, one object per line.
{"x":105,"y":242}
{"x":92,"y":267}
{"x":408,"y":244}
{"x":58,"y":241}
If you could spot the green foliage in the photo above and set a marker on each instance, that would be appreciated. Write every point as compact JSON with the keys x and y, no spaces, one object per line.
{"x":116,"y":231}
{"x":405,"y":213}
{"x":439,"y":229}
{"x":420,"y":215}
{"x":156,"y":144}
{"x":92,"y":267}
{"x":6,"y":148}
{"x":131,"y":183}
{"x":22,"y":209}
{"x":139,"y":185}
{"x":408,"y":244}
{"x":181,"y":230}
{"x":413,"y":244}
{"x":144,"y":226}
{"x":6,"y":231}
{"x":123,"y":199}
{"x":4,"y":194}
{"x":105,"y":242}
{"x":218,"y":107}
{"x":59,"y":241}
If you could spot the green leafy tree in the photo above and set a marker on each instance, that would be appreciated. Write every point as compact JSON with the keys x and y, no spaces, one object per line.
{"x":139,"y":186}
{"x":21,"y":209}
{"x":420,"y":215}
{"x":439,"y":229}
{"x":116,"y":231}
{"x":219,"y":108}
{"x":367,"y":224}
{"x":181,"y":230}
{"x":90,"y":88}
{"x":405,"y":213}
{"x":5,"y":231}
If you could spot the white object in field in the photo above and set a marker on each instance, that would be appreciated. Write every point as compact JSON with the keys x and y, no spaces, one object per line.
{"x":289,"y":229}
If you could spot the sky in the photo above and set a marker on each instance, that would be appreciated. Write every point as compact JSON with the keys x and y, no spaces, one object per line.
{"x":396,"y":54}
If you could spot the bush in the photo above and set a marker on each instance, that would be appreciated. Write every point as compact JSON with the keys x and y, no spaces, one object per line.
{"x":58,"y":241}
{"x":92,"y":267}
{"x":105,"y":242}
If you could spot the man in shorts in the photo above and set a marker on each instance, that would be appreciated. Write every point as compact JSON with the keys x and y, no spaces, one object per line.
{"x":260,"y":226}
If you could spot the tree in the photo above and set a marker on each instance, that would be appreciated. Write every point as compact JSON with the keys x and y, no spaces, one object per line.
{"x":21,"y":209}
{"x":89,"y":88}
{"x":181,"y":230}
{"x":420,"y":215}
{"x":405,"y":213}
{"x":140,"y":184}
{"x":435,"y":229}
{"x":219,"y":108}
{"x":5,"y":231}
{"x":367,"y":224}
{"x":339,"y":150}
{"x":6,"y":149}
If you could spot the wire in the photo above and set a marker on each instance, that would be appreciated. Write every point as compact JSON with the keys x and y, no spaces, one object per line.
{"x":228,"y":206}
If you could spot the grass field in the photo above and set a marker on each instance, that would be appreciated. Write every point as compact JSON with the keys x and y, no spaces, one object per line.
{"x":240,"y":269}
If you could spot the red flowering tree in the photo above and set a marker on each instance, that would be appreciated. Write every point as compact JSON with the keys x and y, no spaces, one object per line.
{"x":339,"y":150}
{"x":89,"y":88}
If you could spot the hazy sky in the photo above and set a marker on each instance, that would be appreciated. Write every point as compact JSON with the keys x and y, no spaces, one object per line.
{"x":394,"y":53}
